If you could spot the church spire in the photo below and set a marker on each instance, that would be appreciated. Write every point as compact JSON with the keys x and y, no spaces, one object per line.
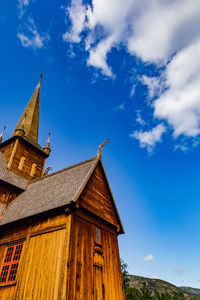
{"x":30,"y":117}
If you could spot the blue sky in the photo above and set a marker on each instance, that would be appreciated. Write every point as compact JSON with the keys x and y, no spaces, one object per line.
{"x":129,"y":71}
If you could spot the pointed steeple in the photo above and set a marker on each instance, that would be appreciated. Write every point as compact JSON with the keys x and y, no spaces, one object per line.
{"x":47,"y":148}
{"x":30,"y":117}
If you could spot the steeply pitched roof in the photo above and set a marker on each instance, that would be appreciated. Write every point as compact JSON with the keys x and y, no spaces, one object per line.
{"x":30,"y":117}
{"x":9,"y":177}
{"x":56,"y":190}
{"x":52,"y":191}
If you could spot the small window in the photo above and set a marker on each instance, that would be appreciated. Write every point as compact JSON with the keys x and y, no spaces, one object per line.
{"x":21,"y":163}
{"x":33,"y":169}
{"x":97,"y":235}
{"x":11,"y":263}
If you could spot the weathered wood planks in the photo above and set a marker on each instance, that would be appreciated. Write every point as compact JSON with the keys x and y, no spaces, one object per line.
{"x":97,"y":199}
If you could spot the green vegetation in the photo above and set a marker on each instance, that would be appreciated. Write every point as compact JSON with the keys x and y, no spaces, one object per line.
{"x":141,"y":288}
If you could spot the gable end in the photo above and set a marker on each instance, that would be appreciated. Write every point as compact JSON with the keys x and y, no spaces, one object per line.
{"x":97,"y":198}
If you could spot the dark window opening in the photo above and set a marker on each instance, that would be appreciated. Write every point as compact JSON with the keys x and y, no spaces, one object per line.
{"x":97,"y":235}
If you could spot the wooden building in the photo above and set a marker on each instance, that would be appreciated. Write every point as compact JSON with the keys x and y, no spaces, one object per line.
{"x":58,"y":232}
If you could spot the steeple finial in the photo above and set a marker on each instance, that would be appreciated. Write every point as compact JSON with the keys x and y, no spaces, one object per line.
{"x":41,"y":77}
{"x":2,"y":133}
{"x":101,"y":146}
{"x":47,"y":148}
{"x":30,"y":118}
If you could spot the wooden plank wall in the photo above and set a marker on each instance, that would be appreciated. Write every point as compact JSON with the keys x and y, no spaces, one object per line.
{"x":42,"y":272}
{"x":97,"y":199}
{"x":7,"y":151}
{"x":112,"y":269}
{"x":81,"y":263}
{"x":31,"y":155}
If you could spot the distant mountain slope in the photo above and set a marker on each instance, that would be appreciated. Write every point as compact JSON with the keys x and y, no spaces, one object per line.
{"x":163,"y":287}
{"x":191,"y":290}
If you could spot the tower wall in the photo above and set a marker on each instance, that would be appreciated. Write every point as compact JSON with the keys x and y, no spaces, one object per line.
{"x":18,"y":149}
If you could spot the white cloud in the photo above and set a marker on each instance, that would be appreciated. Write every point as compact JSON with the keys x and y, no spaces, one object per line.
{"x":165,"y":33}
{"x":149,"y":257}
{"x":97,"y":57}
{"x":161,"y":28}
{"x":104,"y":30}
{"x":181,"y":147}
{"x":135,"y":24}
{"x":149,"y":138}
{"x":119,"y":107}
{"x":77,"y":13}
{"x":139,"y":118}
{"x":22,"y":5}
{"x":32,"y":39}
{"x":132,"y":92}
{"x":180,"y":103}
{"x":154,"y":85}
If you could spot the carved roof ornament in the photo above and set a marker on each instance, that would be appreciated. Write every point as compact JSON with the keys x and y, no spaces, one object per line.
{"x":2,"y":133}
{"x":47,"y":171}
{"x":101,"y":146}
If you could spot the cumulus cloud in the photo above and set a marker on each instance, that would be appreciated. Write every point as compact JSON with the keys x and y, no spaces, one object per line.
{"x":149,"y":257}
{"x":180,"y":103}
{"x":33,"y":39}
{"x":103,"y":29}
{"x":77,"y":13}
{"x":148,"y":139}
{"x":163,"y":33}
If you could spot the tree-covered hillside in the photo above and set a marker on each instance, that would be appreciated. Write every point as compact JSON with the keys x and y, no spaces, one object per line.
{"x":142,"y":288}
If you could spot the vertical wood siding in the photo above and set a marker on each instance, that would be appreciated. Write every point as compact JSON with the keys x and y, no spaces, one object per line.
{"x":31,"y":156}
{"x":7,"y":151}
{"x":42,"y":272}
{"x":83,"y":262}
{"x":97,"y":199}
{"x":42,"y":267}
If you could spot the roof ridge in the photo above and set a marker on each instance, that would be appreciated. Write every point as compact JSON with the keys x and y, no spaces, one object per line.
{"x":65,"y":169}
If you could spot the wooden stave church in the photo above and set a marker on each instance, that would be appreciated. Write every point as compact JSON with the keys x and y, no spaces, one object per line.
{"x":58,"y":232}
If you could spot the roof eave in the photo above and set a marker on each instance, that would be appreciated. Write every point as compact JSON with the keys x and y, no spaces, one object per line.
{"x":13,"y":138}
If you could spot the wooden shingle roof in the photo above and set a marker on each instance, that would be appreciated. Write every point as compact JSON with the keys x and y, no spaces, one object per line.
{"x":56,"y":190}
